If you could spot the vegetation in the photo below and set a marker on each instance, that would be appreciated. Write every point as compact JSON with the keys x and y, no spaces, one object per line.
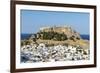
{"x":25,"y":42}
{"x":72,"y":38}
{"x":77,"y":38}
{"x":53,"y":36}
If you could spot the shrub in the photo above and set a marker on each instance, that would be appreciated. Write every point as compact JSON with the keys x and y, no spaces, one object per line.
{"x":53,"y":36}
{"x":77,"y":38}
{"x":72,"y":38}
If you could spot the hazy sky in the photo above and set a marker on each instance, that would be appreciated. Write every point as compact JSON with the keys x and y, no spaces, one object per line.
{"x":32,"y":20}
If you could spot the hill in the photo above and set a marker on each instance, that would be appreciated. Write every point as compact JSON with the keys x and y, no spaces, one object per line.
{"x":58,"y":35}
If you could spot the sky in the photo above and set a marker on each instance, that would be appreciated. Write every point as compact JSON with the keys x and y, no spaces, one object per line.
{"x":33,"y":20}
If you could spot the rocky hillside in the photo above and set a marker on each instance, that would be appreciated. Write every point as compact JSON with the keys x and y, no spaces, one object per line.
{"x":56,"y":34}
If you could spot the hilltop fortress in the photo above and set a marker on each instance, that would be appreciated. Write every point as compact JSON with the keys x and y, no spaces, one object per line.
{"x":67,"y":30}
